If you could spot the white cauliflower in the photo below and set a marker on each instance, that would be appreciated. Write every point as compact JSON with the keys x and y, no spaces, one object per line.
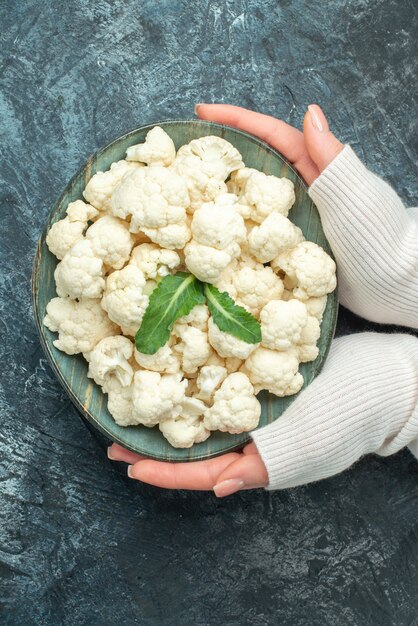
{"x":282,"y":323}
{"x":124,"y":298}
{"x":157,"y":397}
{"x":209,"y":379}
{"x":311,"y":267}
{"x":109,"y":359}
{"x":111,"y":241}
{"x":217,"y":231}
{"x":164,"y":360}
{"x":173,"y":236}
{"x":316,"y":307}
{"x":80,"y":325}
{"x":198,"y":317}
{"x":205,"y":262}
{"x":154,"y":261}
{"x":218,"y":158}
{"x":194,"y":348}
{"x":275,"y":371}
{"x":231,"y":364}
{"x":156,"y":198}
{"x":235,"y":408}
{"x":275,"y":234}
{"x":250,"y":287}
{"x":119,"y":402}
{"x":262,"y":193}
{"x":101,"y":186}
{"x":63,"y":234}
{"x":218,"y":225}
{"x":80,"y":274}
{"x":227,"y":345}
{"x":158,"y":149}
{"x":187,"y":428}
{"x":201,"y":187}
{"x":307,"y":349}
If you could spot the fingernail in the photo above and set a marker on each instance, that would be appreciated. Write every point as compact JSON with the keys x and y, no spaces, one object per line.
{"x":196,"y":107}
{"x":109,"y":454}
{"x":227,"y":487}
{"x":130,"y":471}
{"x":318,"y":119}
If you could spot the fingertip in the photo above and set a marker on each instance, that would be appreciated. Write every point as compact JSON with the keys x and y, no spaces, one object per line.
{"x":321,"y":144}
{"x":197,"y":107}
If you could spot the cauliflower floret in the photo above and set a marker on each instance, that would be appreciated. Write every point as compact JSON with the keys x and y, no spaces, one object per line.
{"x":156,"y":197}
{"x":275,"y":235}
{"x":111,"y":241}
{"x":80,"y":273}
{"x":218,"y":225}
{"x":198,"y":317}
{"x":217,"y":230}
{"x":316,"y":307}
{"x":109,"y":359}
{"x":307,"y":349}
{"x":173,"y":236}
{"x":227,"y":345}
{"x":101,"y":186}
{"x":235,"y":408}
{"x":251,"y":287}
{"x":218,"y":158}
{"x":307,"y":352}
{"x":154,"y":261}
{"x":238,"y":180}
{"x":164,"y":360}
{"x":201,"y":187}
{"x":158,"y":149}
{"x":275,"y":371}
{"x":206,"y":263}
{"x":124,"y":298}
{"x":264,"y":194}
{"x":157,"y":397}
{"x":209,"y":379}
{"x":194,"y":348}
{"x":119,"y":402}
{"x":188,"y":428}
{"x":231,"y":363}
{"x":311,"y":267}
{"x":63,"y":234}
{"x":80,"y":325}
{"x":282,"y":323}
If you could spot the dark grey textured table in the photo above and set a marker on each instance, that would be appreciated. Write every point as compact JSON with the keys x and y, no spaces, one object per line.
{"x":79,"y":543}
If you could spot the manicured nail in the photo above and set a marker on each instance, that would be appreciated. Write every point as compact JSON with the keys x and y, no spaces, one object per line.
{"x":196,"y":107}
{"x":318,"y":119}
{"x":227,"y":487}
{"x":109,"y":454}
{"x":130,"y":471}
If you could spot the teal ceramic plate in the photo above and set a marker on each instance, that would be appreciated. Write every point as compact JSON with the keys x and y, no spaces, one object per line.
{"x":72,"y":370}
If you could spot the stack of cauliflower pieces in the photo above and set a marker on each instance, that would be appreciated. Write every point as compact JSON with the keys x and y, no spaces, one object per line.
{"x":158,"y":212}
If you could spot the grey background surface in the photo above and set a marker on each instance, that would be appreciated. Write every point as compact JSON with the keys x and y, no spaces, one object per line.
{"x":79,"y":543}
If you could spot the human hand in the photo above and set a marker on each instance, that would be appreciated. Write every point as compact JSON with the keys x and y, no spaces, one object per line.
{"x":363,"y":401}
{"x":224,"y":474}
{"x":309,"y":152}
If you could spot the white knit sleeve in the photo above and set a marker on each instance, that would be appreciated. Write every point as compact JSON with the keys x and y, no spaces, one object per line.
{"x":374,"y":240}
{"x":365,"y":400}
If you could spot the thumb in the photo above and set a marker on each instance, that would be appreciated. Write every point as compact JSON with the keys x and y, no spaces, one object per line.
{"x":247,"y":472}
{"x":321,"y":144}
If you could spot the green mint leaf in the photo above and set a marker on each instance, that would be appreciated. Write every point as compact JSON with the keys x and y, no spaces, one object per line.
{"x":230,"y":317}
{"x":175,"y":296}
